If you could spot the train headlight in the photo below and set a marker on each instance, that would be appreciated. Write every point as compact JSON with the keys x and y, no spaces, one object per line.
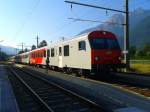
{"x":96,"y":58}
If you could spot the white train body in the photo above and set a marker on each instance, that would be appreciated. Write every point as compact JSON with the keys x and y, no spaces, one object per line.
{"x":70,"y":54}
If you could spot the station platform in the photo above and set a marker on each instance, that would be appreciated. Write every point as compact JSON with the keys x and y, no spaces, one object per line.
{"x":7,"y":98}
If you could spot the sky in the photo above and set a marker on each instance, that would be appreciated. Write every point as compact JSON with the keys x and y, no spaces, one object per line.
{"x":22,"y":20}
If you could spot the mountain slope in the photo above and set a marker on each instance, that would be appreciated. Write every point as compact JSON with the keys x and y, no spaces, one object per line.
{"x":140,"y":34}
{"x":139,"y":27}
{"x":8,"y":50}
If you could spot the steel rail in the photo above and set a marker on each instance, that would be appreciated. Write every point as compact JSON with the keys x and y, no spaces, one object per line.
{"x":32,"y":91}
{"x":82,"y":99}
{"x":134,"y":73}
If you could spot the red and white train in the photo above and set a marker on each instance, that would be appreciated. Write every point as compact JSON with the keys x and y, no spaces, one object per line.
{"x":92,"y":52}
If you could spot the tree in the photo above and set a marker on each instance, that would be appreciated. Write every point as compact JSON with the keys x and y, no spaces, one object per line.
{"x":132,"y":51}
{"x":146,"y":48}
{"x":26,"y":50}
{"x":140,"y":53}
{"x":148,"y":54}
{"x":43,"y":43}
{"x":20,"y":52}
{"x":33,"y":47}
{"x":3,"y":56}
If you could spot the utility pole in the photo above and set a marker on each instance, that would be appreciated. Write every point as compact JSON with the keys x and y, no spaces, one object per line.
{"x":126,"y":25}
{"x":22,"y":45}
{"x":37,"y":40}
{"x":126,"y":36}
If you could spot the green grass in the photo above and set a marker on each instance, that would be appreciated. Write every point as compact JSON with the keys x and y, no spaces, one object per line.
{"x":140,"y":61}
{"x":141,"y":67}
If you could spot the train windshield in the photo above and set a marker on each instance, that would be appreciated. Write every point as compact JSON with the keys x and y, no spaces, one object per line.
{"x":104,"y":43}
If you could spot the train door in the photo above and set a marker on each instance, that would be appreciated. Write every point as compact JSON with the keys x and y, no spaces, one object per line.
{"x":60,"y":57}
{"x":48,"y":57}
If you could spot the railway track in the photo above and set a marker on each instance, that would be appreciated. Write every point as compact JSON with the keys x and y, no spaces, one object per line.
{"x":142,"y":91}
{"x":139,"y":83}
{"x":36,"y":94}
{"x":134,"y":73}
{"x":127,"y":81}
{"x":138,"y":80}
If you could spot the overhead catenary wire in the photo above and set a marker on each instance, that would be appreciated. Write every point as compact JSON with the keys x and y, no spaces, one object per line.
{"x":94,"y":6}
{"x":22,"y":46}
{"x":65,"y":26}
{"x":28,"y":16}
{"x":95,"y":21}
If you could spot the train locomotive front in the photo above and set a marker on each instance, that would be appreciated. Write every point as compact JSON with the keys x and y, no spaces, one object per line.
{"x":105,"y":51}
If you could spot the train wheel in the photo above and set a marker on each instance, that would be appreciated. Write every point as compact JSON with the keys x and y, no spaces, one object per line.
{"x":64,"y":70}
{"x":79,"y":73}
{"x":86,"y":73}
{"x":69,"y":71}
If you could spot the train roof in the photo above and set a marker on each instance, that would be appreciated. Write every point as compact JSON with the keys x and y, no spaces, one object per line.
{"x":78,"y":37}
{"x":24,"y":53}
{"x":39,"y":48}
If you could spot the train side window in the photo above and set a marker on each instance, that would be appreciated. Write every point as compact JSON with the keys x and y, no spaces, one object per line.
{"x":82,"y":45}
{"x":44,"y":53}
{"x":37,"y":54}
{"x":56,"y":51}
{"x":52,"y":52}
{"x":66,"y":50}
{"x":60,"y":51}
{"x":48,"y":53}
{"x":41,"y":54}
